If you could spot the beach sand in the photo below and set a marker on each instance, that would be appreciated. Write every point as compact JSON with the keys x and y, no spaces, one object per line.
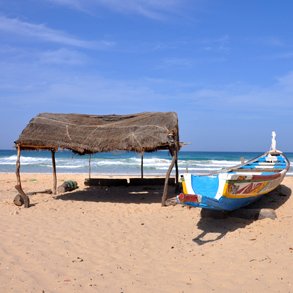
{"x":122,"y":240}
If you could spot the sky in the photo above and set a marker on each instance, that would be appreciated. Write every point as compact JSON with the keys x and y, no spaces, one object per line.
{"x":225,"y":67}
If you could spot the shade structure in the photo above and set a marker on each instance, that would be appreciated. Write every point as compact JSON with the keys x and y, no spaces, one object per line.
{"x":85,"y":134}
{"x":88,"y":134}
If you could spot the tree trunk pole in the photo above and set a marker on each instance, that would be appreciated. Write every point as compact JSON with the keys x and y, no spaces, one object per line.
{"x":177,"y":172}
{"x":176,"y":167}
{"x":18,"y":187}
{"x":90,"y":167}
{"x":141,"y":165}
{"x":18,"y":166}
{"x":165,"y":192}
{"x":54,"y":172}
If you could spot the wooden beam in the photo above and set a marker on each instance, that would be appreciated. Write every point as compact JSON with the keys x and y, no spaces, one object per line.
{"x":35,"y":147}
{"x":54,"y":172}
{"x":18,"y":187}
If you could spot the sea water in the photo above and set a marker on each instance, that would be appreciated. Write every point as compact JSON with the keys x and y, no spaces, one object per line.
{"x":128,"y":163}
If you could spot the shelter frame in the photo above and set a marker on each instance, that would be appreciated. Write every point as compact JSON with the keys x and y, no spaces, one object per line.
{"x":143,"y":132}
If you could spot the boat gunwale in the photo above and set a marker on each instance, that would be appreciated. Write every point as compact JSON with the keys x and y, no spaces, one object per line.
{"x":236,"y":168}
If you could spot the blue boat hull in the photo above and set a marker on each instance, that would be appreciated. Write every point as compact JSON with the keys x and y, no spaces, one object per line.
{"x":235,"y":187}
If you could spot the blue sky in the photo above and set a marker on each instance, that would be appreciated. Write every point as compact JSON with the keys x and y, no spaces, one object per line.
{"x":226,"y":67}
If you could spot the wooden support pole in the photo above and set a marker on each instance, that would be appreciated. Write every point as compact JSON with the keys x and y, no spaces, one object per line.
{"x":24,"y":197}
{"x":177,"y":188}
{"x":54,"y":172}
{"x":18,"y":166}
{"x":90,"y":167}
{"x":141,"y":165}
{"x":176,"y":168}
{"x":165,"y":192}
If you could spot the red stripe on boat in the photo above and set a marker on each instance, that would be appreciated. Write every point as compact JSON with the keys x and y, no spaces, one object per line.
{"x":266,"y":177}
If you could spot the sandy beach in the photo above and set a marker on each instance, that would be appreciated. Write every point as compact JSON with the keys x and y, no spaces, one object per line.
{"x":121,"y":240}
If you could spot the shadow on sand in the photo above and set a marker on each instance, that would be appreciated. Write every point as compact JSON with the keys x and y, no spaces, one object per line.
{"x":121,"y":194}
{"x":216,"y":228}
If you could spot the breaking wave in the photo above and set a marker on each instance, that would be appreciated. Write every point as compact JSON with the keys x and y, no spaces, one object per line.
{"x":154,"y":163}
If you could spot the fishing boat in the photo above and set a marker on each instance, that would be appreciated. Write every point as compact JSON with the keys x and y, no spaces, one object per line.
{"x":232,"y":188}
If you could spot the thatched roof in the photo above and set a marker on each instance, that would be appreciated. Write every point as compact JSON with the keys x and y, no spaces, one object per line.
{"x":85,"y":134}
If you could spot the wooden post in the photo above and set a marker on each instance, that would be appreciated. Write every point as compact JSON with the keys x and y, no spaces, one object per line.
{"x":54,"y":172}
{"x":90,"y":167}
{"x":18,"y":187}
{"x":141,"y":165}
{"x":165,"y":192}
{"x":176,"y":168}
{"x":177,"y":188}
{"x":18,"y":166}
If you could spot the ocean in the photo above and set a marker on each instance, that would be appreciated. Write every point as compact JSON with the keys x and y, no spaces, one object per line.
{"x":128,"y":163}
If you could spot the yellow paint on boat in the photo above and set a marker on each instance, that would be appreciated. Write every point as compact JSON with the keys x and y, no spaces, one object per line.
{"x":254,"y":189}
{"x":184,"y":187}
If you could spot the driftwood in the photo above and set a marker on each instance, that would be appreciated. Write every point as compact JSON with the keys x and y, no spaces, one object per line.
{"x":19,"y":201}
{"x":47,"y":191}
{"x":23,"y":197}
{"x":68,"y":185}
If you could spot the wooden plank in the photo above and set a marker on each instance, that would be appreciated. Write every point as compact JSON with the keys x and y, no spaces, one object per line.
{"x":124,"y":182}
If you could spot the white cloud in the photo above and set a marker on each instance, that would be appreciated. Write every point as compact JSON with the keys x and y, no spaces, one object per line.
{"x":240,"y":100}
{"x":37,"y":83}
{"x":29,"y":88}
{"x":154,"y":9}
{"x":72,"y":3}
{"x":44,"y":33}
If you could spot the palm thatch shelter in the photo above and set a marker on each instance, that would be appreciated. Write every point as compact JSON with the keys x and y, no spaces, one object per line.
{"x":89,"y":134}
